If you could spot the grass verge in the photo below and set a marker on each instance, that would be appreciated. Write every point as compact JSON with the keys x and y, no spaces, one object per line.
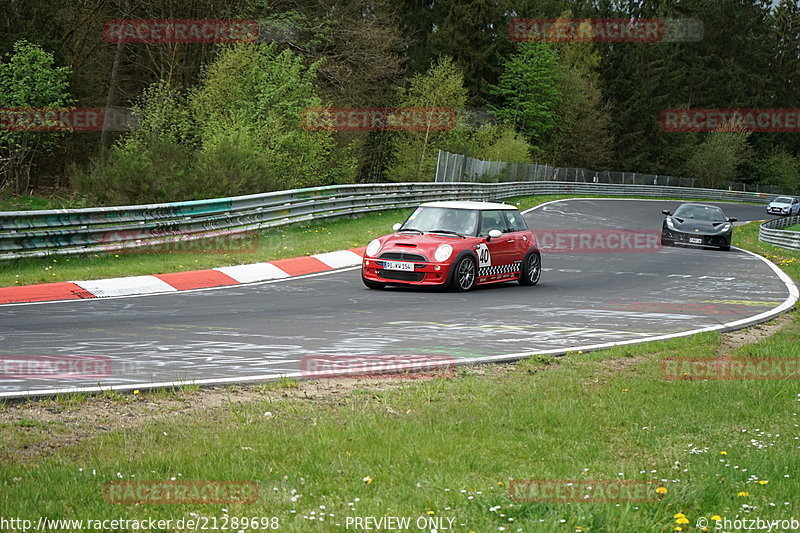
{"x":746,"y":236}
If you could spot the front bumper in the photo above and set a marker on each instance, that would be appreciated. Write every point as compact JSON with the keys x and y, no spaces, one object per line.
{"x":777,"y":211}
{"x":423,"y":274}
{"x":690,"y":239}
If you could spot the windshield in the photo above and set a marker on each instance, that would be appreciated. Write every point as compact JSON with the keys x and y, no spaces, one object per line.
{"x":782,"y":200}
{"x":700,"y":212}
{"x":430,"y":219}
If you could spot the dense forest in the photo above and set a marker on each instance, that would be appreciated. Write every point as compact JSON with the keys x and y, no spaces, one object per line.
{"x":218,"y":119}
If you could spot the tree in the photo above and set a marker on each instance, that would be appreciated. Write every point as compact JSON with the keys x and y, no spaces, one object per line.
{"x":529,"y":91}
{"x":441,"y":87}
{"x":779,"y":168}
{"x":28,"y":79}
{"x":718,"y":159}
{"x":583,"y":138}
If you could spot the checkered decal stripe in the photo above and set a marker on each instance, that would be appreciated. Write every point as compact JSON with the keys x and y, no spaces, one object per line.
{"x":500,"y":269}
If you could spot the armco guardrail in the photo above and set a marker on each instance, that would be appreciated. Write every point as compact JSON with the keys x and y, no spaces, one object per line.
{"x":772,"y":233}
{"x":103,"y":229}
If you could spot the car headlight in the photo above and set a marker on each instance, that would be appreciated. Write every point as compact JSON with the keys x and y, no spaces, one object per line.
{"x":670,"y":225}
{"x":443,"y":253}
{"x":725,"y":227}
{"x":374,"y":247}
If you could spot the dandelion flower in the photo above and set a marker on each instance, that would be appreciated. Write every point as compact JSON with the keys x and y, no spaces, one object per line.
{"x":716,"y":518}
{"x":723,"y":452}
{"x":661,"y":490}
{"x":679,"y":515}
{"x":742,"y":494}
{"x":763,"y":482}
{"x":367,"y":480}
{"x":682,"y":520}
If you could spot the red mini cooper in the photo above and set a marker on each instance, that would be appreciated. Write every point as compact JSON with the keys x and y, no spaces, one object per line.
{"x":455,"y":244}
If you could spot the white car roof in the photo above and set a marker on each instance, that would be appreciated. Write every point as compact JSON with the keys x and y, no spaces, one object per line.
{"x":483,"y":206}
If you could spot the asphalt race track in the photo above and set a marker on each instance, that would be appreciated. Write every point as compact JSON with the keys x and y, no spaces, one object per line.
{"x":265,"y":329}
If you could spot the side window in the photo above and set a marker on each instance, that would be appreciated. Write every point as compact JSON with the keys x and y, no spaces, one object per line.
{"x":515,"y":221}
{"x":492,"y":220}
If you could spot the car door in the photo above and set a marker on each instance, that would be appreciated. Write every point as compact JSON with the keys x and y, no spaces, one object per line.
{"x":518,"y":229}
{"x":494,"y":255}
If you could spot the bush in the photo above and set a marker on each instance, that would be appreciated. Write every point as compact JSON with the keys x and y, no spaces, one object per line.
{"x":127,"y":175}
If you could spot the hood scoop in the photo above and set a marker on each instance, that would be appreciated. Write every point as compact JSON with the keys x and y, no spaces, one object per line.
{"x":680,"y":220}
{"x":406,"y":244}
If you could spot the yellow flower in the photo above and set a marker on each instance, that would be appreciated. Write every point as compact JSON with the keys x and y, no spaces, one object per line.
{"x":742,"y":494}
{"x":677,"y":528}
{"x":136,"y":392}
{"x":679,"y":515}
{"x":682,"y":520}
{"x":661,"y":490}
{"x":625,"y":390}
{"x":501,"y":484}
{"x":716,"y":518}
{"x":367,"y":480}
{"x":723,"y":452}
{"x":763,"y":482}
{"x":431,"y":512}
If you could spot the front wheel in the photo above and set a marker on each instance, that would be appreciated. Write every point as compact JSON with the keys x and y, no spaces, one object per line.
{"x":464,"y":274}
{"x":726,"y":248}
{"x":531,"y":270}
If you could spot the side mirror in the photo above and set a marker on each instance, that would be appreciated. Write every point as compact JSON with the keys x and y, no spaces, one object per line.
{"x":666,"y":211}
{"x":495,"y":233}
{"x":731,"y":219}
{"x":397,"y":226}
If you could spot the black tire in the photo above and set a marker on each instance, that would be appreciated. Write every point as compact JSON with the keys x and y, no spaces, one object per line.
{"x":666,"y":242}
{"x":726,"y":248}
{"x":531,"y":270}
{"x":372,"y":284}
{"x":465,"y":273}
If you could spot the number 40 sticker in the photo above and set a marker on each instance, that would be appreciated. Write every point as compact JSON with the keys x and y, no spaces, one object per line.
{"x":484,"y":257}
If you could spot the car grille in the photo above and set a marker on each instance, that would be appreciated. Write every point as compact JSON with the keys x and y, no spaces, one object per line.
{"x":403,"y":256}
{"x":399,"y":275}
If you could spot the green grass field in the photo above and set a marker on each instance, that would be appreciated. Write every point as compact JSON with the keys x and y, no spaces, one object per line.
{"x":443,"y":448}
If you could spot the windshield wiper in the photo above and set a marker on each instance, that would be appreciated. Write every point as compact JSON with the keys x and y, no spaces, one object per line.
{"x":412,"y":229}
{"x":447,"y":231}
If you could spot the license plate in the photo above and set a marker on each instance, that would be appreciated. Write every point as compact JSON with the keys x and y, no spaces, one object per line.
{"x":693,"y":240}
{"x":396,"y":265}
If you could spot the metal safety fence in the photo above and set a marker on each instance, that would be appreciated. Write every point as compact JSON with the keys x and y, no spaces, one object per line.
{"x":459,"y":168}
{"x":771,"y":232}
{"x":107,"y":229}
